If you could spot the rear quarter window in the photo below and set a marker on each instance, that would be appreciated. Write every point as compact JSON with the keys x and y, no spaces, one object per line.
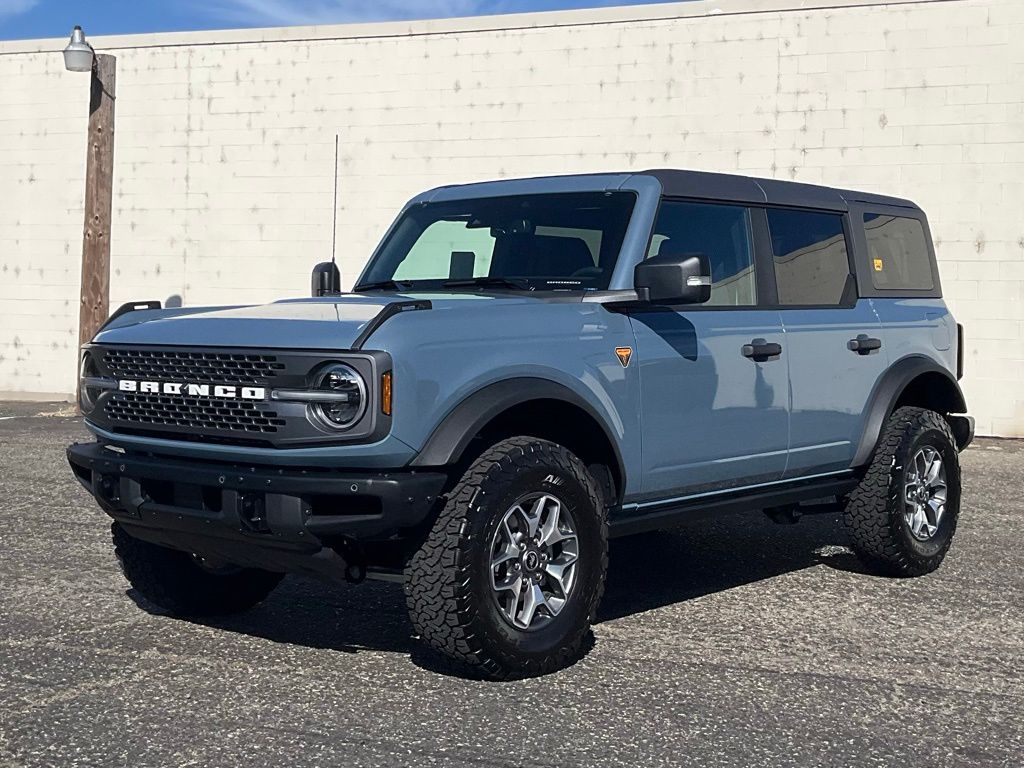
{"x":898,"y":253}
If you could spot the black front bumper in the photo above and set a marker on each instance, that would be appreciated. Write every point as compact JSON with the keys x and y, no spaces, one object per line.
{"x":256,"y":516}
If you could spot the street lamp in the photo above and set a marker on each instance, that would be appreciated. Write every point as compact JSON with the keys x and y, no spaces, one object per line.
{"x":79,"y":55}
{"x":99,"y":179}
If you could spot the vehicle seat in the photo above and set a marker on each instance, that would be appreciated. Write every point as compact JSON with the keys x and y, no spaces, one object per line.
{"x":540,"y":256}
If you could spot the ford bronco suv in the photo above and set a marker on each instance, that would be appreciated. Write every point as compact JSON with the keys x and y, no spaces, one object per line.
{"x":524,"y":369}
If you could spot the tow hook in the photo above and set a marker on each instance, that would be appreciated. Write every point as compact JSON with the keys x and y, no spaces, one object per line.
{"x":355,"y":560}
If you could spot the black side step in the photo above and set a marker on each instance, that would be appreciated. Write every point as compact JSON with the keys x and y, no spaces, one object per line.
{"x":674,"y":512}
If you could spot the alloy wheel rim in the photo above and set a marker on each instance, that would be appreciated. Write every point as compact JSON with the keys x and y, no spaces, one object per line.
{"x":925,"y":493}
{"x":534,"y":557}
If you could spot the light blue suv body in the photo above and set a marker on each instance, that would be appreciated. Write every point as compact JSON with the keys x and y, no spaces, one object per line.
{"x":476,"y":323}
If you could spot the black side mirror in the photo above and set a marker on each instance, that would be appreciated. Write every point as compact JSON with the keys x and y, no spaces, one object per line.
{"x":326,"y":279}
{"x":672,"y":279}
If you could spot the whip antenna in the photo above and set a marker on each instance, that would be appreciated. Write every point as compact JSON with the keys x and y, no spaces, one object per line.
{"x":326,"y":279}
{"x":334,"y":228}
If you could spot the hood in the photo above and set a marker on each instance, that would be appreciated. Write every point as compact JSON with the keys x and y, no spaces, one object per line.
{"x":322,"y":323}
{"x":332,"y":323}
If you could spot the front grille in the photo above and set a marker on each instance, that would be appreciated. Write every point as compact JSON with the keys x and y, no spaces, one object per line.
{"x":181,"y":412}
{"x":175,"y":365}
{"x":236,"y":416}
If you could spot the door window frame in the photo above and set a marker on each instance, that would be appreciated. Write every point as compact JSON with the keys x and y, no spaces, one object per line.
{"x":766,"y":284}
{"x":766,"y":255}
{"x":759,"y":281}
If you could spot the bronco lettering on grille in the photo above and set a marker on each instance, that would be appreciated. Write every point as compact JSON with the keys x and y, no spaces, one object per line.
{"x":220,"y":391}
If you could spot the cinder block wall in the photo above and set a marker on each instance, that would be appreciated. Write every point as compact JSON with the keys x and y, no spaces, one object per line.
{"x":225,"y":145}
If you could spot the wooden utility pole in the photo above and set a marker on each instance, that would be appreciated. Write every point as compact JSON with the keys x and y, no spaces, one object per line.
{"x":99,"y":181}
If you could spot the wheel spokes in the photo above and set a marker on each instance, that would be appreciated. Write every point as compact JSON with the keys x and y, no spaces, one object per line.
{"x":533,"y":599}
{"x":562,"y":575}
{"x":507,"y":546}
{"x":934,"y":468}
{"x":534,"y":552}
{"x":919,"y":521}
{"x":532,"y":516}
{"x":554,"y":531}
{"x":925,"y":493}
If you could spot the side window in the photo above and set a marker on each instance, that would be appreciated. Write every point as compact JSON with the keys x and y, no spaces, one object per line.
{"x":811,"y":263}
{"x":722,"y":233}
{"x":898,"y":250}
{"x":448,"y":248}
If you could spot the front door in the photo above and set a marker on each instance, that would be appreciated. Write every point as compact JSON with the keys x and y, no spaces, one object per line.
{"x":715,"y":393}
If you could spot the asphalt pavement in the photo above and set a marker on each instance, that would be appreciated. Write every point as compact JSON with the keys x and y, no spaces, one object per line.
{"x":734,"y":643}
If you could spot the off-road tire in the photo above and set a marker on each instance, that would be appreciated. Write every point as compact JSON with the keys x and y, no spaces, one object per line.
{"x":447,"y":584}
{"x":176,"y":582}
{"x":874,"y":516}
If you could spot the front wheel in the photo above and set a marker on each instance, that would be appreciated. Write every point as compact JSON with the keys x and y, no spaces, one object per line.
{"x":510,"y":577}
{"x":902,"y":516}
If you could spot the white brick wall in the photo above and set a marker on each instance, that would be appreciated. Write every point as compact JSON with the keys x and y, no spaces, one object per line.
{"x":225,"y":142}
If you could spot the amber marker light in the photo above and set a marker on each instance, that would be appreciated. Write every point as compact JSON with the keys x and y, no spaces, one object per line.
{"x":385,"y":393}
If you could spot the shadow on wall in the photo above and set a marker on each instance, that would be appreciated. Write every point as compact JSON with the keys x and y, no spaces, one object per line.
{"x":646,"y":572}
{"x":174,"y":300}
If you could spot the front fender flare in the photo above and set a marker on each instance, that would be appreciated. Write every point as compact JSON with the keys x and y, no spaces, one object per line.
{"x":449,"y":440}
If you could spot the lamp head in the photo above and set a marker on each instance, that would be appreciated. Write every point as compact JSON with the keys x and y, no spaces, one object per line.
{"x":79,"y":55}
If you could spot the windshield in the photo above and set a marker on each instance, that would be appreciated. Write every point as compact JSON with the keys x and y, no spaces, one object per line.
{"x":528,"y":242}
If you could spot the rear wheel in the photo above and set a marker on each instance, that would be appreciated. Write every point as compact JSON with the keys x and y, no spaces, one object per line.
{"x":188,"y":585}
{"x":510,"y":577}
{"x":902,"y":516}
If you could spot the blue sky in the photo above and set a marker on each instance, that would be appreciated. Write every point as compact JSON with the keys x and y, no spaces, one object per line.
{"x":21,"y":19}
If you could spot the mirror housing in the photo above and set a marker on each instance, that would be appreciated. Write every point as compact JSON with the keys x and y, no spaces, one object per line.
{"x":326,"y":279}
{"x":674,"y":279}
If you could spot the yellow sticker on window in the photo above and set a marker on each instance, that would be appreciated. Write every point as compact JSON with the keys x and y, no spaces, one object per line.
{"x":878,"y":265}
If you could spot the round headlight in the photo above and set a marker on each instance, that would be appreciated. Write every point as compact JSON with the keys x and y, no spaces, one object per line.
{"x":344,"y":396}
{"x":87,"y":395}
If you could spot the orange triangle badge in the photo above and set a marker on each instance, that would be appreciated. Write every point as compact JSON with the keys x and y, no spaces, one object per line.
{"x":624,"y":354}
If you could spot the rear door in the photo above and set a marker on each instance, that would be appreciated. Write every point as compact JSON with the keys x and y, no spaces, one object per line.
{"x":713,"y":417}
{"x":833,"y":337}
{"x":898,"y":271}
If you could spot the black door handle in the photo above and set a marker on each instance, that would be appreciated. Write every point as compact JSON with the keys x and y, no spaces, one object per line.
{"x":760,"y":350}
{"x":863,"y":344}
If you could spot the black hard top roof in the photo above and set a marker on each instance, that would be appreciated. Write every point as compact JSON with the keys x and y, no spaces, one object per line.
{"x":746,"y":189}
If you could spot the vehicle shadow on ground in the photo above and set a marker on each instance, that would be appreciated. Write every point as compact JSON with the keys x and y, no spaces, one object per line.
{"x":646,"y":572}
{"x":656,"y":569}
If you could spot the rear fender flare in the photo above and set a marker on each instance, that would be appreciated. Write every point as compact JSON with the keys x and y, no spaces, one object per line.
{"x":887,"y":393}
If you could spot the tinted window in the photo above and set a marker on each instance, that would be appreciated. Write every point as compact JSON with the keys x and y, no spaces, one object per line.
{"x":451,"y":246}
{"x":811,"y":264}
{"x":899,"y":253}
{"x":544,"y":242}
{"x":722,"y":233}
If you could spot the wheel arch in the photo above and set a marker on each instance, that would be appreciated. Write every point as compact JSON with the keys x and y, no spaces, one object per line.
{"x":917,"y":381}
{"x":533,"y":407}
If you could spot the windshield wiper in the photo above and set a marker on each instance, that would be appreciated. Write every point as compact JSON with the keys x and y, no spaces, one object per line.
{"x":487,"y":281}
{"x":395,"y":285}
